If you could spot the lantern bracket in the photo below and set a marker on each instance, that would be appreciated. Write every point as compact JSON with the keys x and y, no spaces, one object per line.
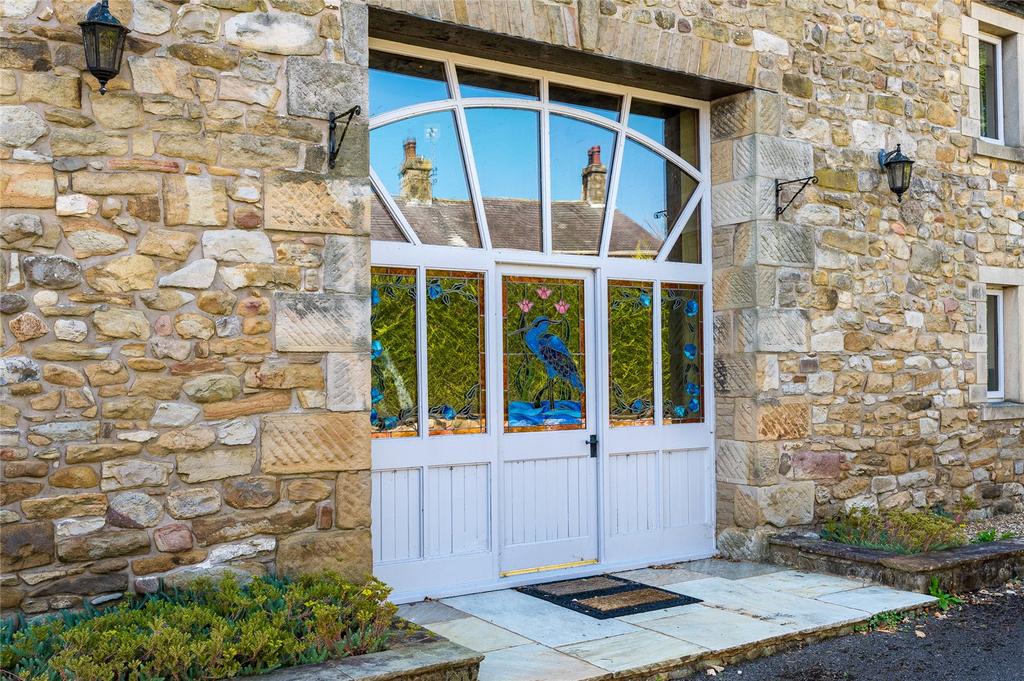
{"x":332,"y":125}
{"x":779,"y":184}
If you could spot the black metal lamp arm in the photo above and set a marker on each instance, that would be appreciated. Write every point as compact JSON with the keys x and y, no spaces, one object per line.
{"x":332,"y":125}
{"x":804,"y":181}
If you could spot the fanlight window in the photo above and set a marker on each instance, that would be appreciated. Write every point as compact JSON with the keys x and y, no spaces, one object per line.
{"x":469,"y":158}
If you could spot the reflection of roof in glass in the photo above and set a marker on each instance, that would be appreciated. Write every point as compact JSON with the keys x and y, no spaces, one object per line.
{"x":576,"y":225}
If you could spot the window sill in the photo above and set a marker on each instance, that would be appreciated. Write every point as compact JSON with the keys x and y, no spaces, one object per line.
{"x":1000,"y":151}
{"x":999,"y":411}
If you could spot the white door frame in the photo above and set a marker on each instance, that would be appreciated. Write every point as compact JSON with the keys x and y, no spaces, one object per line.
{"x":421,"y":576}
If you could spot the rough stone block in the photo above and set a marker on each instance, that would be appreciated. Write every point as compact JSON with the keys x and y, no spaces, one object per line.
{"x":747,"y":463}
{"x":775,"y":157}
{"x":26,"y":185}
{"x":195,"y":200}
{"x":316,"y":87}
{"x":347,"y":264}
{"x":782,"y":330}
{"x":319,"y":322}
{"x":756,"y":111}
{"x":779,"y":505}
{"x":785,"y":419}
{"x":783,"y":244}
{"x":315,"y":443}
{"x":348,"y":552}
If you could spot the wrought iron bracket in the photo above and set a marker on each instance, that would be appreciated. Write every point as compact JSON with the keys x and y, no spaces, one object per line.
{"x":332,"y":126}
{"x":804,"y":181}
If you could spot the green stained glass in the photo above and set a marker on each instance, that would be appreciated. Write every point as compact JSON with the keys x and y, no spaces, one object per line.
{"x":455,"y":352}
{"x":631,"y":353}
{"x":543,"y":354}
{"x":682,"y":353}
{"x":393,"y":352}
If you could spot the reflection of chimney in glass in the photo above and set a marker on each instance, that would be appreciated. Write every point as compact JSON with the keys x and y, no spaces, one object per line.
{"x":595,"y":178}
{"x":416,"y":174}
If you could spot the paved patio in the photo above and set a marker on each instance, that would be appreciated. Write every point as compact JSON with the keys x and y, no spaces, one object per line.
{"x":745,"y":605}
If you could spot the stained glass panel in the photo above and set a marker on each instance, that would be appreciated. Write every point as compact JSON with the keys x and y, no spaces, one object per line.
{"x":544,"y":357}
{"x":455,"y":352}
{"x":682,"y":353}
{"x":393,"y":352}
{"x":631,"y":353}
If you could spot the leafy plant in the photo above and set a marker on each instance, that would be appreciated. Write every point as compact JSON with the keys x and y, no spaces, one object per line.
{"x":991,"y":535}
{"x":896,"y":530}
{"x":946,"y":600}
{"x":210,"y":630}
{"x":885,"y":620}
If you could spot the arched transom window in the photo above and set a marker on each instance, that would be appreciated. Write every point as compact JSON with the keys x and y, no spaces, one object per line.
{"x":530,"y":161}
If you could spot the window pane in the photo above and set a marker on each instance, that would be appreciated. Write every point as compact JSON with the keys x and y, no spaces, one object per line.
{"x":420,"y":163}
{"x":994,"y":351}
{"x":989,"y":73}
{"x":631,"y":353}
{"x":651,"y":195}
{"x":382,"y":227}
{"x":682,"y":353}
{"x":393,"y":352}
{"x":473,"y":83}
{"x":595,"y":102}
{"x":581,"y":158}
{"x":687,"y":245}
{"x":402,"y":81}
{"x":455,"y":352}
{"x":506,"y":147}
{"x":544,"y":361}
{"x":674,"y":127}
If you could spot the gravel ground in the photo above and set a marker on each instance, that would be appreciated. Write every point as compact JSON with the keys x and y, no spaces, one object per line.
{"x":1008,"y":522}
{"x":983,"y":640}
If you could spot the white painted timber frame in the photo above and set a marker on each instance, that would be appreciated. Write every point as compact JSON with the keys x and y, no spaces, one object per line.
{"x":677,"y":459}
{"x":999,"y":394}
{"x":997,"y":83}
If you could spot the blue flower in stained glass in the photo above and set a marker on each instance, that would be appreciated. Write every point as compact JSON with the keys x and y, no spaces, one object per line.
{"x":374,"y":297}
{"x":637,"y":406}
{"x":693,"y":405}
{"x":373,"y":417}
{"x":692,"y":389}
{"x":447,"y":412}
{"x":690,"y":350}
{"x":645,"y":299}
{"x":679,"y":410}
{"x":390,"y":422}
{"x":376,"y":395}
{"x":376,"y":349}
{"x":434,"y":291}
{"x":692,"y":308}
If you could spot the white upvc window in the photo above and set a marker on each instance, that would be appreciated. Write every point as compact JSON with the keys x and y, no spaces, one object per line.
{"x":990,"y":67}
{"x":996,"y":349}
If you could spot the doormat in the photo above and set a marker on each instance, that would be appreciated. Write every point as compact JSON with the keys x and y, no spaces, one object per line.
{"x":604,"y":596}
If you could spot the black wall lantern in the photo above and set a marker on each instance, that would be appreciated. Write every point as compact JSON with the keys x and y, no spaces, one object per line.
{"x":103,"y":38}
{"x":898,"y":170}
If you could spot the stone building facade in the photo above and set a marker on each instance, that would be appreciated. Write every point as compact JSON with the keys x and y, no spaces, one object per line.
{"x":186,"y":287}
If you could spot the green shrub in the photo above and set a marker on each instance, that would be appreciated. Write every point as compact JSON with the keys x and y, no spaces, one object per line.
{"x":210,"y":630}
{"x":896,"y":530}
{"x":985,"y":536}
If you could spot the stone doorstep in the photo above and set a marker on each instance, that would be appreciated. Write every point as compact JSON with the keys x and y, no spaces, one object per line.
{"x":404,"y":661}
{"x":903,"y":568}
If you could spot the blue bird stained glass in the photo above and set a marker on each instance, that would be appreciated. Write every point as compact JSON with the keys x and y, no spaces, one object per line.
{"x":682,"y":356}
{"x":544,"y":359}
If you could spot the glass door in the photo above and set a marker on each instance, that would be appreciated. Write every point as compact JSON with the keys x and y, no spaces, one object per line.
{"x":548,"y":465}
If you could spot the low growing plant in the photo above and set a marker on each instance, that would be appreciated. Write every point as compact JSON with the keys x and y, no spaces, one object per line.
{"x":896,"y":530}
{"x":946,"y":600}
{"x":210,"y":630}
{"x":986,"y":536}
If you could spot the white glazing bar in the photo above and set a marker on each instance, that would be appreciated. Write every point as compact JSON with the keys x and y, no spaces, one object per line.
{"x":677,"y":228}
{"x":658,"y":378}
{"x":545,"y":168}
{"x":421,"y":350}
{"x":612,"y":188}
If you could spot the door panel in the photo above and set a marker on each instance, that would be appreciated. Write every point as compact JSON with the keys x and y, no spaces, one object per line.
{"x":549,"y":479}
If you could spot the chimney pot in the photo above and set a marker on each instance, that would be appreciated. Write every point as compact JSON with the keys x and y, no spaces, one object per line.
{"x":594,"y":155}
{"x":410,"y":148}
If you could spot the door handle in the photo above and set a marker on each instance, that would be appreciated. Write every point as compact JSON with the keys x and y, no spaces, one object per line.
{"x":592,"y":441}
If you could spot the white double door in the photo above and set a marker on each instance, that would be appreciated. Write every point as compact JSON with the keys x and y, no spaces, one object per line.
{"x":550,"y":489}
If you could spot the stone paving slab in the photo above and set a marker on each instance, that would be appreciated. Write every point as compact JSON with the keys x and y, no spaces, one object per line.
{"x":535,"y":662}
{"x":805,"y":584}
{"x":716,"y":629}
{"x":628,"y":651}
{"x":476,"y":634}
{"x":876,"y":599}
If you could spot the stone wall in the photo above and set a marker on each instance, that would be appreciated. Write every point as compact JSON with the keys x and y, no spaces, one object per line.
{"x":185,"y":298}
{"x":850,"y":334}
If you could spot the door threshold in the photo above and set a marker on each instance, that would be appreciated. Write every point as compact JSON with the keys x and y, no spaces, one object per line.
{"x":548,"y":568}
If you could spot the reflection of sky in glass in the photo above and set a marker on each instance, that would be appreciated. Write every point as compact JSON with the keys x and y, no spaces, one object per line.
{"x":390,"y":91}
{"x":648,"y":125}
{"x":570,"y":140}
{"x":506,"y":148}
{"x":642,"y":188}
{"x":435,"y":139}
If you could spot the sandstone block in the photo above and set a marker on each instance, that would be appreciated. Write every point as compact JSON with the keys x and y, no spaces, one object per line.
{"x":198,"y":274}
{"x":69,"y":142}
{"x":352,"y":500}
{"x":253,"y":151}
{"x":121,"y":323}
{"x":26,"y":545}
{"x":195,"y":200}
{"x":65,"y":506}
{"x":134,"y":473}
{"x":348,"y":381}
{"x":274,"y":33}
{"x":103,"y":544}
{"x":312,"y":443}
{"x":322,"y":323}
{"x":237,"y":245}
{"x":161,"y":76}
{"x":216,"y":464}
{"x":193,"y":502}
{"x":20,"y":126}
{"x":347,"y":552}
{"x":241,"y":524}
{"x":133,"y":509}
{"x":307,"y":202}
{"x":253,"y":491}
{"x":129,"y":273}
{"x":101,"y":452}
{"x":213,"y":388}
{"x":75,"y":477}
{"x":26,"y":185}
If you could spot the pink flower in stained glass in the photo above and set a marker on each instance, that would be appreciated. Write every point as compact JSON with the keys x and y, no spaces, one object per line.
{"x":562,"y":307}
{"x":525,"y":305}
{"x":543,"y":292}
